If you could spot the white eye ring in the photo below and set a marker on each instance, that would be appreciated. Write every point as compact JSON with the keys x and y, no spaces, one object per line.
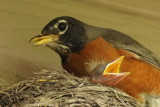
{"x":64,"y":26}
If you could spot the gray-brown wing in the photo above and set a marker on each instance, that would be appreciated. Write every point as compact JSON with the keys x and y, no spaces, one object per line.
{"x":122,"y":41}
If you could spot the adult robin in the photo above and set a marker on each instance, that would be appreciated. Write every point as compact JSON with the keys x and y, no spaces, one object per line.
{"x":97,"y":53}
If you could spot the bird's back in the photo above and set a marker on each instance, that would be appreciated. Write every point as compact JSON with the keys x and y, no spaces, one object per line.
{"x":122,"y":41}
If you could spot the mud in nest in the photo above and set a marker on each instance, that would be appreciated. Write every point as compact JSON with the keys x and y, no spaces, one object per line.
{"x":61,"y":89}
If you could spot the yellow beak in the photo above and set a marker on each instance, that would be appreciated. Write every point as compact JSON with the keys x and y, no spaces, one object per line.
{"x":111,"y":75}
{"x":40,"y":39}
{"x":114,"y":67}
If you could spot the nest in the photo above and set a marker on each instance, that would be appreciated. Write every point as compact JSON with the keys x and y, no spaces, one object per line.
{"x":61,"y":89}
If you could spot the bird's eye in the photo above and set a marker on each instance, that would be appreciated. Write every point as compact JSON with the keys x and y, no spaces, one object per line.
{"x":62,"y":26}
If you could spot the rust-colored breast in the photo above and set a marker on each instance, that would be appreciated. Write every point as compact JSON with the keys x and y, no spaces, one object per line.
{"x":144,"y":78}
{"x":97,"y":49}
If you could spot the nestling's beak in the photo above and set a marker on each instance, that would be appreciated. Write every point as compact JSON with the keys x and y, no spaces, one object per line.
{"x":114,"y":66}
{"x":111,"y":74}
{"x":41,"y":39}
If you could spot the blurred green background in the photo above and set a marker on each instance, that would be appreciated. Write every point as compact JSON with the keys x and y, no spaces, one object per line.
{"x":20,"y":20}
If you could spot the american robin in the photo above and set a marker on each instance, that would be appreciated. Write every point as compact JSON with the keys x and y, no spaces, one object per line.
{"x":87,"y":50}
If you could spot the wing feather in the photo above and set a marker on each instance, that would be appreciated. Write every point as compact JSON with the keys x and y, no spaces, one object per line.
{"x":123,"y":41}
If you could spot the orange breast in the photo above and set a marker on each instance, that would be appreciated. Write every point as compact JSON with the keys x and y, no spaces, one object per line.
{"x":144,"y":78}
{"x":97,"y":49}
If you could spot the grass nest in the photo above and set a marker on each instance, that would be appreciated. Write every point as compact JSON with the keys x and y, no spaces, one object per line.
{"x":61,"y":89}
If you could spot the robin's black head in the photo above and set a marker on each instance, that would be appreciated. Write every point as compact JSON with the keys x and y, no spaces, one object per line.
{"x":64,"y":35}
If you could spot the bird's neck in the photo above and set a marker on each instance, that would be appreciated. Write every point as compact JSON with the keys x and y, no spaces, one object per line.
{"x":94,"y":32}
